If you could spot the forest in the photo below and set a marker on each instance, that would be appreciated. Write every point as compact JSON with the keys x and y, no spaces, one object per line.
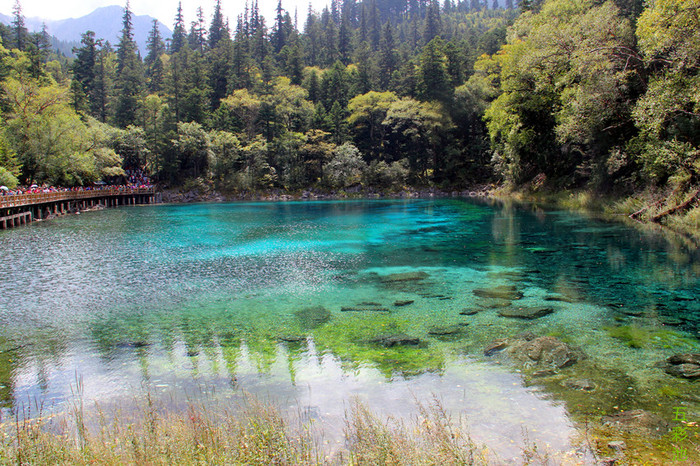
{"x":382,"y":94}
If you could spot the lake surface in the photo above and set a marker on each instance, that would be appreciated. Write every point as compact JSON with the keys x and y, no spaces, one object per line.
{"x":293,"y":303}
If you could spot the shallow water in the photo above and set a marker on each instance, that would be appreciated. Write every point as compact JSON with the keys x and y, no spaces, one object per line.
{"x":212,"y":300}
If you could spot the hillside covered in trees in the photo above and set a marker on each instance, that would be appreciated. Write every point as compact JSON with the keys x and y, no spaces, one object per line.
{"x":382,"y":93}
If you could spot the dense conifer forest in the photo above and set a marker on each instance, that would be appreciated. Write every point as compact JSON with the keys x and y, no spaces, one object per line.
{"x":570,"y":94}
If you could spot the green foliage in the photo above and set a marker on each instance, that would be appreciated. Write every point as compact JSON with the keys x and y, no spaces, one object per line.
{"x":668,"y":114}
{"x":346,"y":167}
{"x":440,"y":94}
{"x":566,"y":90}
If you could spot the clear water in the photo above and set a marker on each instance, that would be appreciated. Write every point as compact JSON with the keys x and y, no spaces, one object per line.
{"x":200,"y":302}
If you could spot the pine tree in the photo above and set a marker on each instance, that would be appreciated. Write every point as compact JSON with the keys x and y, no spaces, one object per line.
{"x":129,"y":78}
{"x":217,"y":29}
{"x":434,"y":83}
{"x":279,"y":37}
{"x":19,"y":30}
{"x":374,"y":25}
{"x":84,"y":68}
{"x":100,"y":102}
{"x":344,"y":44}
{"x":179,"y":38}
{"x":153,"y":63}
{"x":388,"y":58}
{"x":196,"y":38}
{"x":220,"y":59}
{"x":432,"y":22}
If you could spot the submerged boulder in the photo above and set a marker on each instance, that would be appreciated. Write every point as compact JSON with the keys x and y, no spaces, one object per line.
{"x":490,"y":303}
{"x":448,"y":331}
{"x":638,"y":421}
{"x":363,"y":308}
{"x":404,"y":277}
{"x":528,"y":313}
{"x":496,"y":346}
{"x":579,"y":384}
{"x":508,"y":292}
{"x":544,"y":353}
{"x":312,"y":317}
{"x":395,"y":339}
{"x":401,"y":303}
{"x":292,"y":338}
{"x":686,"y":365}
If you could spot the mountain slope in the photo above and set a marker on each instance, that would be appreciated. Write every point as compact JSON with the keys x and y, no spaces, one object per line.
{"x":106,"y":22}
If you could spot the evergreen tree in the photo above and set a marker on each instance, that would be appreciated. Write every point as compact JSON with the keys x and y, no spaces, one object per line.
{"x":344,"y":45}
{"x":19,"y":30}
{"x":100,"y":103}
{"x":388,"y":58}
{"x":434,"y":83}
{"x":197,"y":36}
{"x":129,"y":78}
{"x":279,"y":36}
{"x":218,"y":29}
{"x":179,"y":38}
{"x":84,"y":68}
{"x":432,"y":22}
{"x":219,"y":59}
{"x":153,"y":63}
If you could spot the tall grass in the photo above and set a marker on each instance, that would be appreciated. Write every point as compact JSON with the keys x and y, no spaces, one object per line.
{"x":249,"y":433}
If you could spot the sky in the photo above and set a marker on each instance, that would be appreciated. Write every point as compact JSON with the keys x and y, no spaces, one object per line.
{"x":164,"y":10}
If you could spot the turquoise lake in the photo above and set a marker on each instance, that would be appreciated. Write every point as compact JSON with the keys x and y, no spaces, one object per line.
{"x":293,"y":302}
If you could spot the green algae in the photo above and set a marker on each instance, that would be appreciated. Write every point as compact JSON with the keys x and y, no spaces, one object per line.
{"x":350,"y":339}
{"x":635,"y":336}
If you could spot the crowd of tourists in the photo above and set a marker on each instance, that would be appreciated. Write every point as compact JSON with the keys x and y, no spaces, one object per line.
{"x":134,"y":178}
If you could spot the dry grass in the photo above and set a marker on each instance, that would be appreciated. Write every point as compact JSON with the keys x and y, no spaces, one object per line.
{"x":249,"y":433}
{"x":431,"y":439}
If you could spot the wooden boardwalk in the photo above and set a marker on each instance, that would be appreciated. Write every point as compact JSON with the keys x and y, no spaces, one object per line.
{"x":20,"y":209}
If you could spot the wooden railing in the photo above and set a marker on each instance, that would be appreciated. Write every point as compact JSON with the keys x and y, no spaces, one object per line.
{"x":19,"y":200}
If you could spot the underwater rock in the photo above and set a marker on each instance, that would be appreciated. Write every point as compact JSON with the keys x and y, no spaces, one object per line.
{"x":686,"y":365}
{"x":396,"y":339}
{"x":526,"y":335}
{"x":404,"y":277}
{"x":495,"y":303}
{"x":403,"y":303}
{"x":448,"y":330}
{"x":685,"y":358}
{"x":363,"y":309}
{"x":509,"y":292}
{"x":292,"y":338}
{"x":525,"y":312}
{"x":579,"y":384}
{"x":672,"y":321}
{"x":544,"y":373}
{"x":312,"y":317}
{"x":617,"y":445}
{"x":563,"y":299}
{"x":544,"y":352}
{"x":638,"y":421}
{"x":133,"y":344}
{"x":685,"y":371}
{"x":496,"y":346}
{"x":468,"y":312}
